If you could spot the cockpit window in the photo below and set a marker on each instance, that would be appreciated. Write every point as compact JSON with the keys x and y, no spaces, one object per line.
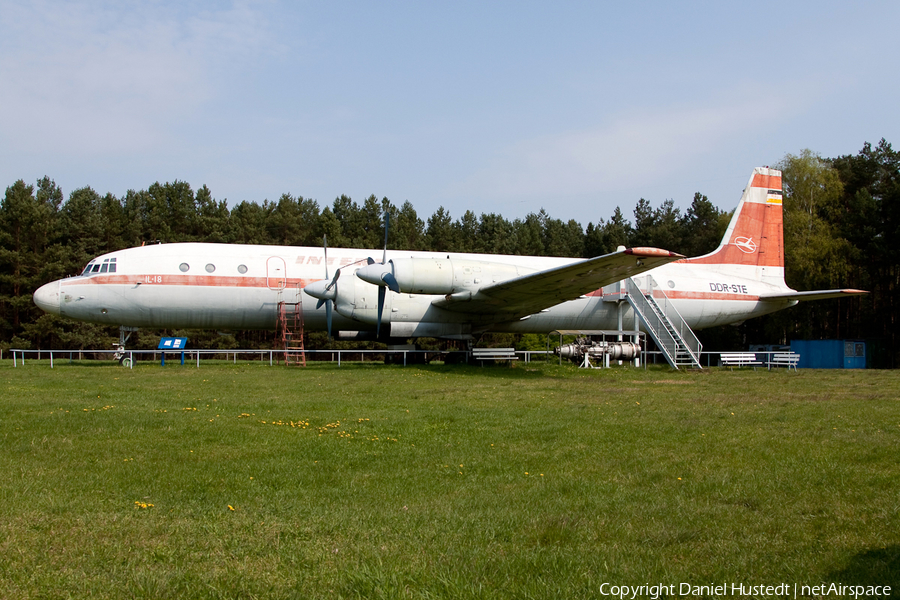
{"x":107,"y":266}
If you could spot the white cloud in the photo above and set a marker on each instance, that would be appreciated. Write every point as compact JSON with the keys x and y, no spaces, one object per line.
{"x":645,"y":146}
{"x":102,"y":79}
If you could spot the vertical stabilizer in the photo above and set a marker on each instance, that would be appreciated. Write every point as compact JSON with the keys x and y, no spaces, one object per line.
{"x":754,"y":237}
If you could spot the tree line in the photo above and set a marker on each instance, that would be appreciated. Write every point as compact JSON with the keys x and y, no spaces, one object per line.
{"x":841,"y":219}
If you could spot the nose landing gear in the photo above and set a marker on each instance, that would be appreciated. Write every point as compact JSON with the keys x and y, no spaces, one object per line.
{"x":121,"y":354}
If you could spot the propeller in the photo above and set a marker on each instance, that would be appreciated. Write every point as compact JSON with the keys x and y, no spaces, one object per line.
{"x":381,"y":274}
{"x":382,"y":291}
{"x":325,"y":290}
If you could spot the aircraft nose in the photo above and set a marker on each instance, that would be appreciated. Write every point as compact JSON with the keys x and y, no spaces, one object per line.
{"x":47,"y":298}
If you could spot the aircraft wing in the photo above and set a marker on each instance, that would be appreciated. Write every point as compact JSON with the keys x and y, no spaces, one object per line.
{"x":529,"y":294}
{"x":814,"y":295}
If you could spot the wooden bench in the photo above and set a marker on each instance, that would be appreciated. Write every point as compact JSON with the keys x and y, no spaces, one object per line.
{"x":739,"y":359}
{"x":495,"y":354}
{"x":784,"y":359}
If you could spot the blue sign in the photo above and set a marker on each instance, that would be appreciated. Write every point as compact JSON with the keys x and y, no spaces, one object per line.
{"x":169,"y":343}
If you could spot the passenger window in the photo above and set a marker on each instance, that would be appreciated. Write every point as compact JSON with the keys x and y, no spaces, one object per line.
{"x":184,"y":267}
{"x":242,"y":269}
{"x":210,"y":268}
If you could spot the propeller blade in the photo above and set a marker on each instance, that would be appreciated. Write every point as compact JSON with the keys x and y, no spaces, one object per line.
{"x":391,"y":282}
{"x":381,"y":294}
{"x":324,"y":290}
{"x":333,"y":282}
{"x":386,"y":223}
{"x":325,"y":246}
{"x":328,"y":317}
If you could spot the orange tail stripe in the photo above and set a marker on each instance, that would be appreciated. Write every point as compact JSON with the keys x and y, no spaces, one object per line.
{"x":769,"y":182}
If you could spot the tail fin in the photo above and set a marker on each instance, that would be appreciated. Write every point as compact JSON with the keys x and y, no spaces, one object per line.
{"x":754,"y":237}
{"x":753,"y":245}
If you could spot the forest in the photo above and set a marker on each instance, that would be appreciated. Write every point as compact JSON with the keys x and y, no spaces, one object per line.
{"x":841,"y":227}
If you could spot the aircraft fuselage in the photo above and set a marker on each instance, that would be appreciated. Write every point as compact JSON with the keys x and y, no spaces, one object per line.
{"x":236,"y":287}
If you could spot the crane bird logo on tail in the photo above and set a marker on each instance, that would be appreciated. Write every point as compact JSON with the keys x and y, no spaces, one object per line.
{"x":746,"y":245}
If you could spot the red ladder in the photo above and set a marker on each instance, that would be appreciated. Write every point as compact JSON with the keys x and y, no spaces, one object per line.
{"x":290,"y":326}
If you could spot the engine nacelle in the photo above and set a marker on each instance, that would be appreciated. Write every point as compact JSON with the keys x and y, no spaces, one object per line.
{"x":423,"y":275}
{"x":357,"y":300}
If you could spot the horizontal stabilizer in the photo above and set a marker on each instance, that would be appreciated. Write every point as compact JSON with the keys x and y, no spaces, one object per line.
{"x":813,"y":295}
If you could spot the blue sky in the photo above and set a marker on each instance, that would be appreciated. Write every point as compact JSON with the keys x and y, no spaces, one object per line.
{"x":504,"y":107}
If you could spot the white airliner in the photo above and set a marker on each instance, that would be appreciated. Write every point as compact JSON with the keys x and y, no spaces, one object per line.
{"x":432,"y":294}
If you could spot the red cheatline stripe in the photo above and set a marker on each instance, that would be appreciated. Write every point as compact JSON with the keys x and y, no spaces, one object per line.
{"x":673,"y":295}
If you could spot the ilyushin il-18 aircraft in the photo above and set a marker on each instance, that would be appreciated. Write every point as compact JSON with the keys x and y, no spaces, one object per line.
{"x":435,"y":294}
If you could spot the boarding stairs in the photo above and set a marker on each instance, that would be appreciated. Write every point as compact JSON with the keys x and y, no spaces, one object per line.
{"x":663,"y":322}
{"x":290,"y":329}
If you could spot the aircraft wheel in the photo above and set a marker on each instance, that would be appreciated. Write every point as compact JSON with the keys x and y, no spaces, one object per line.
{"x":125,"y":362}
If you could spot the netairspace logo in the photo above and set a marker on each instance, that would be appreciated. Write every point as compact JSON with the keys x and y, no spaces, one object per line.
{"x":723,"y":590}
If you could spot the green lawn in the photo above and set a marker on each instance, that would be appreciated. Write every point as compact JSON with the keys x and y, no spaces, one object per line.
{"x":372,"y":481}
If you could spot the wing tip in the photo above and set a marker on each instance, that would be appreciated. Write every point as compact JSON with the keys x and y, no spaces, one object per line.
{"x":815,"y":294}
{"x":652,"y":252}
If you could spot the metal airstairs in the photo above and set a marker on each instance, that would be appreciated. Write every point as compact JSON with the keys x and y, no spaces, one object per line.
{"x":290,"y":329}
{"x":662,"y":321}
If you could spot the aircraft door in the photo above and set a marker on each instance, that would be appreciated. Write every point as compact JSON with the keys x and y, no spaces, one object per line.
{"x":276,"y":273}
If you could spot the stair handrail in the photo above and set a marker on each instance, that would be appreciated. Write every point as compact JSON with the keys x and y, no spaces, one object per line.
{"x":671,"y":312}
{"x":666,"y":342}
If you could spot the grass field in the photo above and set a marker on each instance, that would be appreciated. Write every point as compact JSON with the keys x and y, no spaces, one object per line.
{"x":372,"y":481}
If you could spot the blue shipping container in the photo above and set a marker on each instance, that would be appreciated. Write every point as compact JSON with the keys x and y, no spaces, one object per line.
{"x":830,"y":354}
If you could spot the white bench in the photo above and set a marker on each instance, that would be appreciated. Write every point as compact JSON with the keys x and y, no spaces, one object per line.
{"x":784,"y":359}
{"x":495,"y":354}
{"x":739,"y":359}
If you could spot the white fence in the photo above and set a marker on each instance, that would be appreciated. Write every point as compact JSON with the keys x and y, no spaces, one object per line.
{"x":708,"y":358}
{"x":273,"y":356}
